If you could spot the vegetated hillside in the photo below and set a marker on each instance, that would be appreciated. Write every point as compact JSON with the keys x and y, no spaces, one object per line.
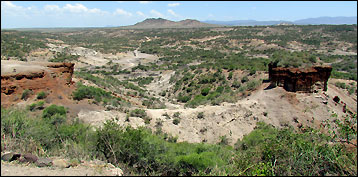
{"x":151,"y":23}
{"x":195,"y":90}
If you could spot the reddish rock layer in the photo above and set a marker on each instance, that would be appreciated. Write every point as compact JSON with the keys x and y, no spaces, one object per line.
{"x":299,"y":79}
{"x":55,"y":79}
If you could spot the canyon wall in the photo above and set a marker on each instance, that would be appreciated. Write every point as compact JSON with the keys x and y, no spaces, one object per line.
{"x":299,"y":79}
{"x":52,"y":78}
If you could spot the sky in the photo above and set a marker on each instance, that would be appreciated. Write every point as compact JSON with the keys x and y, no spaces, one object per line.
{"x":44,"y":14}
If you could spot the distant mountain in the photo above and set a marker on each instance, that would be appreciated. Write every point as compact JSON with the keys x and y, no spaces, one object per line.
{"x":327,"y":20}
{"x":247,"y":22}
{"x":308,"y":21}
{"x":163,"y":23}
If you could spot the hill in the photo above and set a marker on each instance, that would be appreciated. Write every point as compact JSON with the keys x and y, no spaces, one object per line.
{"x":163,"y":23}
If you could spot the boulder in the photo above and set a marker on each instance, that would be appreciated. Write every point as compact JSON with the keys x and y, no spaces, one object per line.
{"x":43,"y":162}
{"x":115,"y":172}
{"x":10,"y":156}
{"x":30,"y":158}
{"x":60,"y":163}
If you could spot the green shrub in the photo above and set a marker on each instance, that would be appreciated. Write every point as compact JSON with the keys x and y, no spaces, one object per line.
{"x":341,"y":85}
{"x":205,"y":91}
{"x":244,"y":79}
{"x":138,"y":113}
{"x":236,"y":84}
{"x":53,"y":110}
{"x":224,"y":140}
{"x":200,"y":115}
{"x":230,"y":76}
{"x":220,"y":89}
{"x":284,"y":152}
{"x":193,"y":163}
{"x":184,"y":99}
{"x":251,"y":85}
{"x":41,"y":95}
{"x":351,"y":90}
{"x":26,"y":94}
{"x":90,"y":92}
{"x":37,"y":105}
{"x":176,"y":114}
{"x":176,"y":120}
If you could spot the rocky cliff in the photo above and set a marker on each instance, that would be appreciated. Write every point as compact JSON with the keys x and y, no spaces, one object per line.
{"x":52,"y":78}
{"x":299,"y":79}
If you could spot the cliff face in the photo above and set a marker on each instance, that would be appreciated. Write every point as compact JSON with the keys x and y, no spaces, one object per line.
{"x":52,"y":78}
{"x":298,"y":79}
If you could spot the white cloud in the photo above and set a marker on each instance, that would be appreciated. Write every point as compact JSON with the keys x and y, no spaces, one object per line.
{"x":73,"y":9}
{"x":140,"y":13}
{"x":156,"y":13}
{"x":7,"y":4}
{"x":11,"y":9}
{"x":122,"y":12}
{"x":144,"y":2}
{"x":77,"y":8}
{"x":173,"y":4}
{"x":173,"y":13}
{"x":52,"y":8}
{"x":95,"y":10}
{"x":67,"y":15}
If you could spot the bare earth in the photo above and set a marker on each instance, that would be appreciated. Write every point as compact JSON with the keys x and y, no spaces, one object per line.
{"x":14,"y":169}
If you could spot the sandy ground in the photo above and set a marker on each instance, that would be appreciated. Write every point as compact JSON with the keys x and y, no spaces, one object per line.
{"x":15,"y":169}
{"x":15,"y":67}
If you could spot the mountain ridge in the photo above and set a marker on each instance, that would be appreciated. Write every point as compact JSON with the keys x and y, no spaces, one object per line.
{"x":164,"y":23}
{"x":307,"y":21}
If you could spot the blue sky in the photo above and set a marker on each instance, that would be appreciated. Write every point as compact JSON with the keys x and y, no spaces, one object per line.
{"x":32,"y":14}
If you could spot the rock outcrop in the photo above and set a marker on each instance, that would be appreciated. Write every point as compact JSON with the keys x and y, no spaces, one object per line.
{"x":18,"y":76}
{"x":299,"y":79}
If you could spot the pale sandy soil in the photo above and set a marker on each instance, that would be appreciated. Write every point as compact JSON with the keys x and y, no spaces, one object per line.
{"x":15,"y":169}
{"x":15,"y":67}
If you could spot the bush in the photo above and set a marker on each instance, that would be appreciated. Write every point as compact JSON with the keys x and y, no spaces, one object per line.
{"x":53,"y":110}
{"x":285,"y":152}
{"x":26,"y":94}
{"x":193,"y":163}
{"x":177,"y":114}
{"x":205,"y":91}
{"x":176,"y":121}
{"x":251,"y":85}
{"x":220,"y":89}
{"x":138,"y":113}
{"x":37,"y":105}
{"x":230,"y":76}
{"x":90,"y":92}
{"x":340,"y":85}
{"x":236,"y":84}
{"x":200,"y":115}
{"x":41,"y":95}
{"x":184,"y":99}
{"x":244,"y":79}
